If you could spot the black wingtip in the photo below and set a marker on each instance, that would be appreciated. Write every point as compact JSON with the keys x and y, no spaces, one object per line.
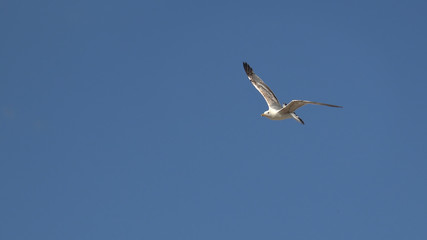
{"x":248,"y":69}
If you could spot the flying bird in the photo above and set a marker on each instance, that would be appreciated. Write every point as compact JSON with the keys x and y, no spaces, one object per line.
{"x":276,"y":111}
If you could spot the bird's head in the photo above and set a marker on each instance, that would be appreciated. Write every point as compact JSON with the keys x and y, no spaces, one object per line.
{"x":266,"y":114}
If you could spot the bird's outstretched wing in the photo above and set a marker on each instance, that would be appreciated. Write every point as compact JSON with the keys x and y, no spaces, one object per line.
{"x":265,"y":91}
{"x":295,"y":104}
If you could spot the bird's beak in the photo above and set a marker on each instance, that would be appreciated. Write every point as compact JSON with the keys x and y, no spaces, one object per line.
{"x":263,"y":115}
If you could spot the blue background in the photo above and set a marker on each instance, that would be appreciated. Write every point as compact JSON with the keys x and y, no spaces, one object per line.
{"x":135,"y":120}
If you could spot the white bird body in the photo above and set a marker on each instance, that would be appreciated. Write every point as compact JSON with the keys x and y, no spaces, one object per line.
{"x":274,"y":114}
{"x":275,"y":110}
{"x":278,"y":116}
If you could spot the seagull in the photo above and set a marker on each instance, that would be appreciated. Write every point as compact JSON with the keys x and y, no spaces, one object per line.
{"x":276,"y":111}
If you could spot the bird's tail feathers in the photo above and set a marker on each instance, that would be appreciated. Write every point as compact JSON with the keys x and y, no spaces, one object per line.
{"x":296,"y":117}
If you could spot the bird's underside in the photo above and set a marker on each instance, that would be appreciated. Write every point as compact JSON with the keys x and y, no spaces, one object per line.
{"x":276,"y":111}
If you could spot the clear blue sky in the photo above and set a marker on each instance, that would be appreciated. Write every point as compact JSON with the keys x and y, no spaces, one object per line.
{"x":135,"y":120}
